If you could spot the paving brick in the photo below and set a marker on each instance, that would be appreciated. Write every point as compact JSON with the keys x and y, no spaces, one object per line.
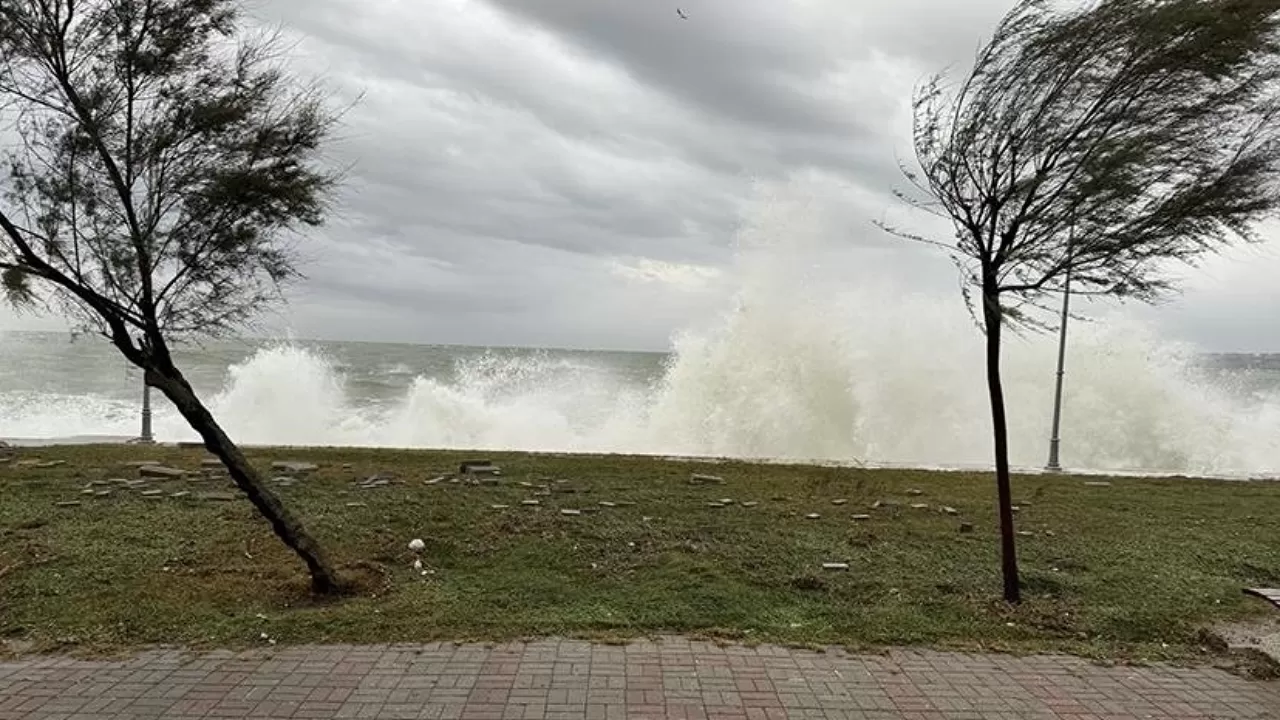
{"x":672,"y":678}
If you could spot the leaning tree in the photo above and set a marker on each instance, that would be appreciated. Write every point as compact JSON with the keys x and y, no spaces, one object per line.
{"x":1098,"y":142}
{"x":158,"y":161}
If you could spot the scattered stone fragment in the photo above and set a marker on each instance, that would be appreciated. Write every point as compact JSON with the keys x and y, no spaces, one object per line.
{"x":543,"y":493}
{"x":861,"y":517}
{"x":153,"y":492}
{"x":1025,"y":533}
{"x":883,"y":504}
{"x":102,"y":493}
{"x":179,"y":494}
{"x":1015,"y":508}
{"x":966,"y":527}
{"x":434,"y":480}
{"x":498,"y":507}
{"x":626,"y":503}
{"x":950,"y":510}
{"x":87,"y":491}
{"x":530,"y":503}
{"x":919,"y":506}
{"x":1050,"y":533}
{"x":1097,"y":483}
{"x":160,"y":471}
{"x":726,"y":501}
{"x":696,"y":479}
{"x":68,"y":503}
{"x":216,"y":496}
{"x":839,"y":501}
{"x":417,"y":545}
{"x":119,"y":481}
{"x":141,"y":463}
{"x":356,"y":504}
{"x":914,"y":491}
{"x":284,"y":480}
{"x":812,"y":516}
{"x":347,"y":466}
{"x":714,"y":504}
{"x":41,"y":464}
{"x":477,"y":468}
{"x":750,"y":504}
{"x":568,"y":511}
{"x":211,"y":463}
{"x":835,"y":566}
{"x":294,"y":466}
{"x":607,"y":504}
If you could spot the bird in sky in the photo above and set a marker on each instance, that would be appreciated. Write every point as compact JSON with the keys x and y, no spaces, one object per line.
{"x":681,"y":14}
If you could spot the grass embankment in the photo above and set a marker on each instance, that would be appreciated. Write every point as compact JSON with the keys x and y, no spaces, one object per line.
{"x":1131,"y":570}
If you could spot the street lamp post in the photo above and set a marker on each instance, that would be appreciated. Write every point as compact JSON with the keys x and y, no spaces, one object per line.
{"x":146,"y":438}
{"x":1053,"y":464}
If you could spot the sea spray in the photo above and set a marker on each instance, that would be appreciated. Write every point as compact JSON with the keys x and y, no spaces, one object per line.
{"x":819,"y":354}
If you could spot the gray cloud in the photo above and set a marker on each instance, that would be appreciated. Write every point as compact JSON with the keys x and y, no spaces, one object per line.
{"x":579,"y":172}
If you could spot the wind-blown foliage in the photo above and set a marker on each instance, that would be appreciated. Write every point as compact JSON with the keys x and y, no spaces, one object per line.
{"x":159,"y":159}
{"x":1098,"y":142}
{"x":158,"y":163}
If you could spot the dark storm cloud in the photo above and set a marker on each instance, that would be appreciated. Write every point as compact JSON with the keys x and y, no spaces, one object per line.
{"x":578,"y":172}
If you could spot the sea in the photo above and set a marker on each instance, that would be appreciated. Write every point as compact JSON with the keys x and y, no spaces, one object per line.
{"x":749,"y":386}
{"x":817,"y":341}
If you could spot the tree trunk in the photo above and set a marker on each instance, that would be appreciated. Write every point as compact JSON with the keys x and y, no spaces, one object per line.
{"x":993,"y":317}
{"x":288,"y":528}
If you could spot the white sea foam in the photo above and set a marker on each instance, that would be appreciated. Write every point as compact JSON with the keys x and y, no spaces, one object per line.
{"x":813,"y":358}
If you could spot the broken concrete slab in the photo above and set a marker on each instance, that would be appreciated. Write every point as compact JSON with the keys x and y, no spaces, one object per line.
{"x":476,"y":468}
{"x":294,"y":466}
{"x":698,"y":479}
{"x":1271,"y":595}
{"x":160,"y":471}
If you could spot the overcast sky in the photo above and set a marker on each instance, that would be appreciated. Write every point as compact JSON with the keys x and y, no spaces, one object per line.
{"x":574,"y":172}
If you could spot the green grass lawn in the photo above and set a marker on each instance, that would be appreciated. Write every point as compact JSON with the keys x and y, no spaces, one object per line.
{"x":1128,"y":571}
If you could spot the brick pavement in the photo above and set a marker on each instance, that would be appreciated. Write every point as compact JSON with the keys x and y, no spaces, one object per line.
{"x":667,"y":678}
